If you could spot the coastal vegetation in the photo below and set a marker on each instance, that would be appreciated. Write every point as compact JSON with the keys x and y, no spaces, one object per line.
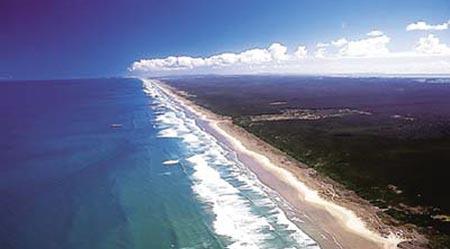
{"x":387,"y":139}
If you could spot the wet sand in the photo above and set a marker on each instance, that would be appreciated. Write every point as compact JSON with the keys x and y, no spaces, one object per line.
{"x":330,"y":214}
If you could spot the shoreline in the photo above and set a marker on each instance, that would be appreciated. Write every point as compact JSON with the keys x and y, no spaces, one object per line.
{"x":332,"y":216}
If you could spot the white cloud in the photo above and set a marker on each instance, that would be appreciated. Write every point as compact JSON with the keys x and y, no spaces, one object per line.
{"x":375,"y":33}
{"x":278,"y":52}
{"x":222,"y":59}
{"x":421,"y":25}
{"x":321,"y":50}
{"x":322,"y":45}
{"x":339,"y":43}
{"x":254,"y":56}
{"x":366,"y":55}
{"x":167,"y":64}
{"x":275,"y":53}
{"x":373,"y":46}
{"x":301,"y":52}
{"x":432,"y":46}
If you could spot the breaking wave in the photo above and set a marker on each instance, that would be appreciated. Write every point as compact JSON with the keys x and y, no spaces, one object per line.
{"x":245,"y":212}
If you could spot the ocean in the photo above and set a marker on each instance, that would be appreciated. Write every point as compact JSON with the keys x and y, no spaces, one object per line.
{"x":115,"y":163}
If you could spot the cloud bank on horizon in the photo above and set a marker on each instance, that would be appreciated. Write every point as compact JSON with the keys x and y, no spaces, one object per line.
{"x":369,"y":54}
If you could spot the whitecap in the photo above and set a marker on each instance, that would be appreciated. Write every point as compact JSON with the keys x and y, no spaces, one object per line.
{"x":246,"y":213}
{"x":171,"y":162}
{"x":169,"y":132}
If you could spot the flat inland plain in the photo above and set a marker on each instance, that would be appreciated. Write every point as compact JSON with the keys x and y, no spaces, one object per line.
{"x":387,"y":139}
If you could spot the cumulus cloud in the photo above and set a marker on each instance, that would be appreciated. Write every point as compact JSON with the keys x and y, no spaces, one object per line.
{"x":369,"y":54}
{"x":322,"y":45}
{"x":375,"y":44}
{"x":421,"y":25}
{"x":301,"y":52}
{"x":278,"y":52}
{"x":274,"y":53}
{"x":375,"y":33}
{"x":167,"y":64}
{"x":321,"y":50}
{"x":340,"y":42}
{"x":431,"y":45}
{"x":254,"y":56}
{"x":223,"y":59}
{"x":368,"y":47}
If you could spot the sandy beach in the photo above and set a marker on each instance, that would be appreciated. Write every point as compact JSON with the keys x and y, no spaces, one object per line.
{"x":330,"y":214}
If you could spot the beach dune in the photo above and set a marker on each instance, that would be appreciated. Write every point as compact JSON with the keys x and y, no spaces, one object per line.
{"x":331,"y":215}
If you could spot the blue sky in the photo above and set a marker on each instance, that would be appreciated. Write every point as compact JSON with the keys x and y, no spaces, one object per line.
{"x":90,"y":38}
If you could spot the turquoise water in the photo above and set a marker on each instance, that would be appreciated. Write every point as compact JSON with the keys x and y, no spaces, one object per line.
{"x":114,"y":163}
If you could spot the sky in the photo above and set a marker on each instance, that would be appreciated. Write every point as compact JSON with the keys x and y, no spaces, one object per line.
{"x":99,"y":38}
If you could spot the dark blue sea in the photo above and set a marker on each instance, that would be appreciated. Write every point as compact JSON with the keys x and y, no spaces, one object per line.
{"x":114,"y":163}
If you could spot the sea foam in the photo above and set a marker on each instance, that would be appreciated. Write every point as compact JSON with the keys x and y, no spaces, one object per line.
{"x":171,"y":162}
{"x":245,"y":214}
